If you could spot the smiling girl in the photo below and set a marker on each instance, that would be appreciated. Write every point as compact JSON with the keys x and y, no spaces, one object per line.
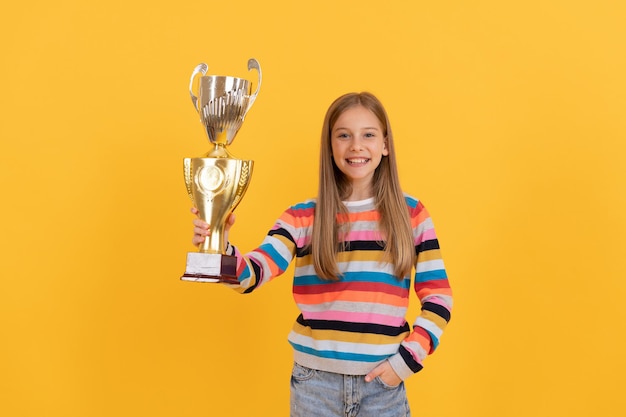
{"x":355,"y":247}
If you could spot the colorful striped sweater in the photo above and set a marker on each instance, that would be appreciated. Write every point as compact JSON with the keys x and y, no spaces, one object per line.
{"x":351,"y":325}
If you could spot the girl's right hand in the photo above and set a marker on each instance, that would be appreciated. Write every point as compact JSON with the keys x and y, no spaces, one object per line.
{"x":201,"y":228}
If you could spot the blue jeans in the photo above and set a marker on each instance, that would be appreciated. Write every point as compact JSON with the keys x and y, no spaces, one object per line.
{"x":326,"y":394}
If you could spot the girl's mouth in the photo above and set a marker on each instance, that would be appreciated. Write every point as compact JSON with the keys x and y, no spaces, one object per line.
{"x":357,"y":161}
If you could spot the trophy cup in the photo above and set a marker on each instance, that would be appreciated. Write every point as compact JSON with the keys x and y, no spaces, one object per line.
{"x":217,"y":182}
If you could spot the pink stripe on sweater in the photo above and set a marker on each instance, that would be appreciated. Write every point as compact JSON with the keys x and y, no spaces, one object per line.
{"x":427,"y":235}
{"x":303,"y":241}
{"x":355,"y":317}
{"x":364,"y":235}
{"x":438,"y":301}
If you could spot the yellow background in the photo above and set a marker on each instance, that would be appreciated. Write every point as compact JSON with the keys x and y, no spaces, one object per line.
{"x":509,"y":122}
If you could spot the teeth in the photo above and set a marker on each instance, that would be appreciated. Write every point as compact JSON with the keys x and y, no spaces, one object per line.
{"x":357,"y":161}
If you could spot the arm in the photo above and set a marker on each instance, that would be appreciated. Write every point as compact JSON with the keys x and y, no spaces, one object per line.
{"x":262,"y":264}
{"x":433,"y":290}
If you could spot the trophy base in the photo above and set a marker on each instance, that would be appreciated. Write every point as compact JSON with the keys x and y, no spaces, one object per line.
{"x":211,"y":268}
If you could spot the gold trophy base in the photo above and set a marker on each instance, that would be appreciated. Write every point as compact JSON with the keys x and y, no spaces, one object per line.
{"x":210,"y":267}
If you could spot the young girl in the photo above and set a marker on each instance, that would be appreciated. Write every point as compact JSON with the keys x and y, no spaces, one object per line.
{"x":354,"y":248}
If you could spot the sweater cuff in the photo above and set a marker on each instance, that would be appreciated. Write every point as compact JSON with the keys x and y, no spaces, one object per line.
{"x":400,"y":367}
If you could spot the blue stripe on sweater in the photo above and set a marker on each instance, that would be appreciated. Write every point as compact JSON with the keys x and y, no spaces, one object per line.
{"x":281,"y":262}
{"x":410,"y":201}
{"x":344,"y":356}
{"x":368,"y":276}
{"x":304,"y":205}
{"x":437,"y":274}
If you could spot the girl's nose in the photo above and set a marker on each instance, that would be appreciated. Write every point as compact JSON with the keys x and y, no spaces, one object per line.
{"x":356,"y":144}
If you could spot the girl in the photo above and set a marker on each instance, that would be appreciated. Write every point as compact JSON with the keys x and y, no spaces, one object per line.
{"x":354,"y":247}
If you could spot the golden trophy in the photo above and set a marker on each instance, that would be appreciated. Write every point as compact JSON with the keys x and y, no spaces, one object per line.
{"x":217,"y":181}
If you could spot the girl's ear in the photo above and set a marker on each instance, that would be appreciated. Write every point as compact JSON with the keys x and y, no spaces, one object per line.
{"x":385,"y":148}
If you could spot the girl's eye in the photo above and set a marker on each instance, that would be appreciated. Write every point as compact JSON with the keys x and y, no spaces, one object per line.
{"x":342,"y":135}
{"x":369,"y":135}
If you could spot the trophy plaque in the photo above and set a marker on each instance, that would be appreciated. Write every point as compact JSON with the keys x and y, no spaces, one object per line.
{"x":217,"y":181}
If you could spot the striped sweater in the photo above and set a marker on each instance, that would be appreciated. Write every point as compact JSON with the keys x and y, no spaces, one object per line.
{"x":351,"y":325}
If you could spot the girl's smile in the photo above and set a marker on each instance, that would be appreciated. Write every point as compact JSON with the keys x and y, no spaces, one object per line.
{"x":358,"y":161}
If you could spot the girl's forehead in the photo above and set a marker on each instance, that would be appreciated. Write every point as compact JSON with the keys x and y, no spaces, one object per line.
{"x":357,"y":116}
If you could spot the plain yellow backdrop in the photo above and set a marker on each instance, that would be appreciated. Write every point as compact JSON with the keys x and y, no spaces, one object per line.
{"x":509,"y":125}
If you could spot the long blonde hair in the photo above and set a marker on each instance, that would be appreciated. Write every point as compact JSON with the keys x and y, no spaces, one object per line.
{"x":334,"y":187}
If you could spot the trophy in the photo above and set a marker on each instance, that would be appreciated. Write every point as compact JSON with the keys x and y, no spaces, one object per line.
{"x":217,"y":182}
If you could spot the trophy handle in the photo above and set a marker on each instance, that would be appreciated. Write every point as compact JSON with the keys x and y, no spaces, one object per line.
{"x":254,"y":64}
{"x":200,"y":69}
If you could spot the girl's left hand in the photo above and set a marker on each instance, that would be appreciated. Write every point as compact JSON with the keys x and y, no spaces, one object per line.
{"x":386,"y":374}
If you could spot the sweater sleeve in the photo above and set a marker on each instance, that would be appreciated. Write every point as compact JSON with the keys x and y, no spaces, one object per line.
{"x":433,"y":290}
{"x":270,"y":259}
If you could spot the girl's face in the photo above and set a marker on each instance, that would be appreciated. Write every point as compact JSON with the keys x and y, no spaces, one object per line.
{"x":358,"y":145}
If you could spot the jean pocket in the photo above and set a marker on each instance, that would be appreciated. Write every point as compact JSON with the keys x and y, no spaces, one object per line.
{"x":302,"y":373}
{"x":385,"y":385}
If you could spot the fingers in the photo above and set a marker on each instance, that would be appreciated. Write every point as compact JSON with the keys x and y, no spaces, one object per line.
{"x":373,"y":374}
{"x":200,"y":231}
{"x":386,"y":373}
{"x":200,"y":223}
{"x":229,"y":222}
{"x":201,"y":228}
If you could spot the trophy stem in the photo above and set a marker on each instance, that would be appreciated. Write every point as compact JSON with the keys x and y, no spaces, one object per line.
{"x":219,"y":151}
{"x":214,"y":243}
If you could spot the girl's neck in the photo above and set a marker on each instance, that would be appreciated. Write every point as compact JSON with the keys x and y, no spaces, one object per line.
{"x":352,"y":204}
{"x":360,"y":192}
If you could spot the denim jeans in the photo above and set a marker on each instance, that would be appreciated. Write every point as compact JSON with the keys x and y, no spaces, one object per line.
{"x":325,"y":394}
